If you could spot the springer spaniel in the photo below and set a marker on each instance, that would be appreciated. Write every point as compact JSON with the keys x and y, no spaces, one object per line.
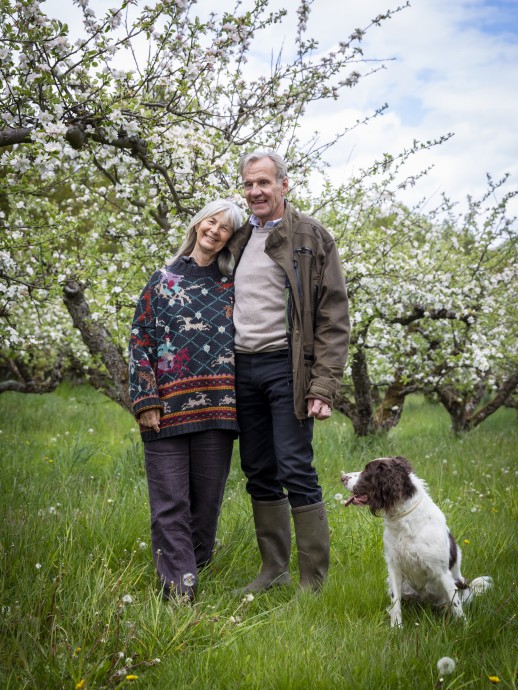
{"x":422,"y":557}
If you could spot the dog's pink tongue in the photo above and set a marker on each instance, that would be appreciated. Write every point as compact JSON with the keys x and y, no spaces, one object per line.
{"x":356,"y":500}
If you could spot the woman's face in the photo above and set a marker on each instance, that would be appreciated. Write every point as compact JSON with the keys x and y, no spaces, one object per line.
{"x":212,"y":234}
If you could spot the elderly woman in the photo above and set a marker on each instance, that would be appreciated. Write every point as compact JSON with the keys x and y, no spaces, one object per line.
{"x":181,"y":364}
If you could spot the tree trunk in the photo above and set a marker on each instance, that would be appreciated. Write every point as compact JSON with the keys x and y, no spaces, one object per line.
{"x":502,"y":394}
{"x":363,"y":418}
{"x":461,"y":408}
{"x":390,"y":408}
{"x":99,"y":343}
{"x":455,"y":405}
{"x":24,"y":379}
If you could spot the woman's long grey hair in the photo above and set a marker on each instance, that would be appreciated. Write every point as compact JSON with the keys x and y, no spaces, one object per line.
{"x":233,"y":215}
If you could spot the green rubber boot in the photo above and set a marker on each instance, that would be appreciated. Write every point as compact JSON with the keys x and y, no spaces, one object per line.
{"x":312,"y":536}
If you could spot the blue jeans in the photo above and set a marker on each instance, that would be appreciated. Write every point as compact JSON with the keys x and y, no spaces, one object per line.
{"x":275,"y":447}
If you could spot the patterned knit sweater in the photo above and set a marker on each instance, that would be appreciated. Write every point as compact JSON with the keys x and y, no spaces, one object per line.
{"x":181,"y":351}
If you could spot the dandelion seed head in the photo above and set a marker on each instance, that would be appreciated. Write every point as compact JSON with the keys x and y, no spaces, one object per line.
{"x":142,"y":545}
{"x":38,"y":566}
{"x":127,"y":599}
{"x":446,"y":665}
{"x":338,"y":497}
{"x":248,"y":598}
{"x":188,"y":579}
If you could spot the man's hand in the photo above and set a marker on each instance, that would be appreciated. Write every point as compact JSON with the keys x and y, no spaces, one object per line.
{"x":318,"y":409}
{"x":151,"y":419}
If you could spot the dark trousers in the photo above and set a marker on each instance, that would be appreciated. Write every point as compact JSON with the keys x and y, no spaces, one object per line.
{"x":186,"y":480}
{"x":275,"y":447}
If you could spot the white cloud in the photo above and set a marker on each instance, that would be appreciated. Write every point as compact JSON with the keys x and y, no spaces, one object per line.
{"x":452,"y":74}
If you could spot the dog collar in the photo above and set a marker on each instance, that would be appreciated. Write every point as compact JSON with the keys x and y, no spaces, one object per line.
{"x":394,"y":516}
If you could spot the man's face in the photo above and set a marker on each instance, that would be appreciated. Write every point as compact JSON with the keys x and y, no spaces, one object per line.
{"x":263,"y":192}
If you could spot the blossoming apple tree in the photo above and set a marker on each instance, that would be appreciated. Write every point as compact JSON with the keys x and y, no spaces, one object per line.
{"x":112,"y":138}
{"x":110,"y":141}
{"x":433,"y":302}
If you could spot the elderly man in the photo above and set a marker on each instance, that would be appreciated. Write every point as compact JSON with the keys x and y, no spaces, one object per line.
{"x":291,"y":340}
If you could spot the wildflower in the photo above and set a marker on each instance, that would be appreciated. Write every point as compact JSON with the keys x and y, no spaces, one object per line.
{"x":81,"y":684}
{"x":142,"y":545}
{"x":338,"y":497}
{"x":494,"y":679}
{"x":467,"y":541}
{"x":156,"y":661}
{"x":446,"y":665}
{"x":188,"y":579}
{"x":38,"y":566}
{"x":77,"y":650}
{"x":131,"y":676}
{"x":248,"y":598}
{"x":127,"y":599}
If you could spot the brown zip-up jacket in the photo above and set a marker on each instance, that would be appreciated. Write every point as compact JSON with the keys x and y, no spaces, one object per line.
{"x":316,"y":303}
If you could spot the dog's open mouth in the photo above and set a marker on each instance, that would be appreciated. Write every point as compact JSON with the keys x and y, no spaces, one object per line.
{"x":357,"y":500}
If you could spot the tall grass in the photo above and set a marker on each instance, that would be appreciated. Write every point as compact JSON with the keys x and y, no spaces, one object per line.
{"x":79,"y":606}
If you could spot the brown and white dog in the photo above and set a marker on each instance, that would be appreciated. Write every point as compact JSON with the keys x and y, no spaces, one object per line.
{"x":422,"y":557}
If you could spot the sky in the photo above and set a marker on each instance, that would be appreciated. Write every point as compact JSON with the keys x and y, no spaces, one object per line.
{"x":451,"y":66}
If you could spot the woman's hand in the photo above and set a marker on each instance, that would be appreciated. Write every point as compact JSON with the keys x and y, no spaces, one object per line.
{"x":150,"y":418}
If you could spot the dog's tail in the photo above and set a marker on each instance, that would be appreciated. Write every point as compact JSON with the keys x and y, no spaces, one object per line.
{"x":474,"y":588}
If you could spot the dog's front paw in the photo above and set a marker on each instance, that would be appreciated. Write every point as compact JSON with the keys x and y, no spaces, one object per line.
{"x":394,"y":611}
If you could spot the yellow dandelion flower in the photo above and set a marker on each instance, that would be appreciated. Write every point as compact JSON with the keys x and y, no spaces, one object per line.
{"x":131,"y":676}
{"x":81,"y":684}
{"x":77,"y":650}
{"x":494,"y":679}
{"x":467,"y":541}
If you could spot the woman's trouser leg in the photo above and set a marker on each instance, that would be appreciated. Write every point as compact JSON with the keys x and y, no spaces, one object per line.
{"x":211,"y":453}
{"x":167,"y":469}
{"x":186,"y":480}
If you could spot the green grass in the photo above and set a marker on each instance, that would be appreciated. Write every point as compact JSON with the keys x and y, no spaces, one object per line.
{"x":75,"y":541}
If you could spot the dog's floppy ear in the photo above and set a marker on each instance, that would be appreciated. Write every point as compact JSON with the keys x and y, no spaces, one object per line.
{"x":390,"y":484}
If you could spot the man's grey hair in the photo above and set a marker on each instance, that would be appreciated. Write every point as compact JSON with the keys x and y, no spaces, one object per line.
{"x":254,"y":156}
{"x":232,"y":214}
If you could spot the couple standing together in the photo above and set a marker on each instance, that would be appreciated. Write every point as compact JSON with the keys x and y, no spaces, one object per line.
{"x":289,"y":330}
